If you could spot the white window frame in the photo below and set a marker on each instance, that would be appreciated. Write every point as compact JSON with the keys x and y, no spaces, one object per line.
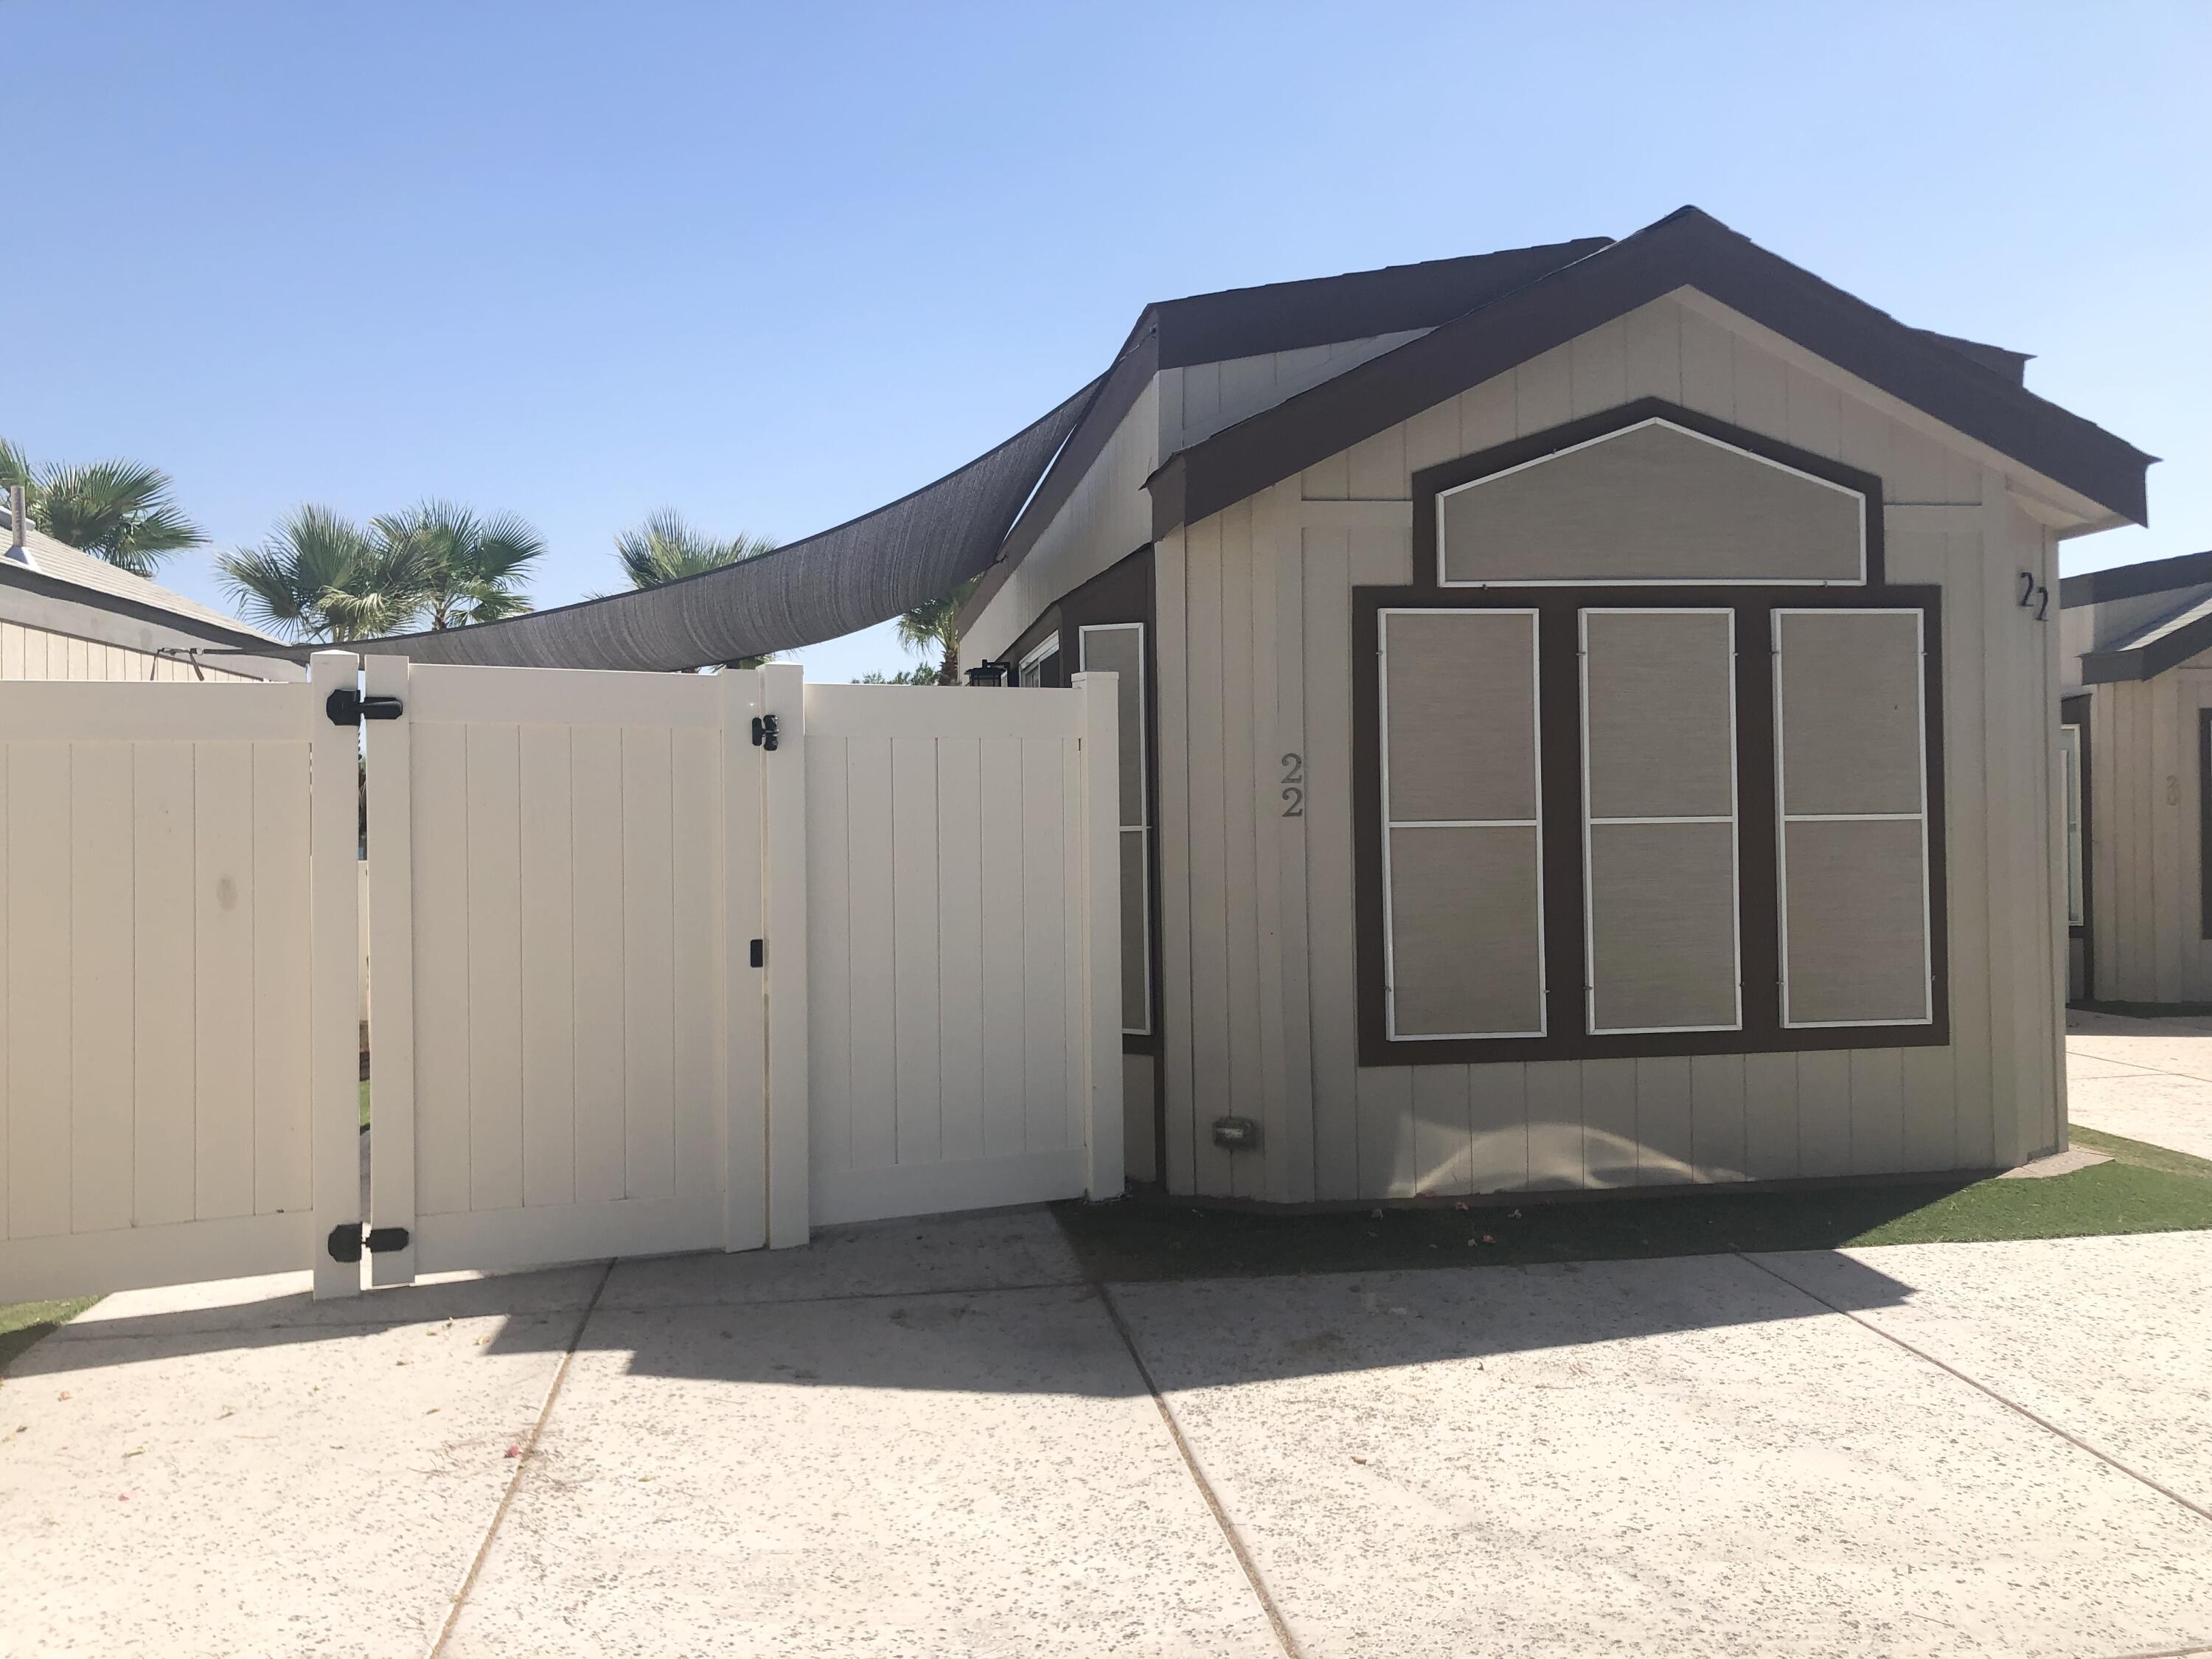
{"x":1783,"y":818}
{"x":2069,"y":749}
{"x":1536,"y":756}
{"x":1738,"y":581}
{"x":1143,"y":828}
{"x":1047,"y":647}
{"x":1735,"y":869}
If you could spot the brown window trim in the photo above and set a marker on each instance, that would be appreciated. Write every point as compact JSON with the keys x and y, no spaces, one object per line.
{"x":1430,"y":482}
{"x":2203,"y":822}
{"x":1559,"y":688}
{"x":2074,"y":711}
{"x":1122,"y":593}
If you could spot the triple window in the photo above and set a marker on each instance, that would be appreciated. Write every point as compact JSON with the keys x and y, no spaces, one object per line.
{"x":1655,"y":826}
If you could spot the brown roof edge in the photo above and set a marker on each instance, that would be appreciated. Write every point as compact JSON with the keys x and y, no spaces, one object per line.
{"x":1688,"y":248}
{"x":2131,"y":581}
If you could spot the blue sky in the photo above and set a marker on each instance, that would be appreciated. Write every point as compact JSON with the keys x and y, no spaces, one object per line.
{"x":775,"y":267}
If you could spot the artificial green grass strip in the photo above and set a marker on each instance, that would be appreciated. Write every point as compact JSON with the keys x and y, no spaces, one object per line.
{"x":22,"y":1323}
{"x":2141,"y":1153}
{"x":1153,"y":1240}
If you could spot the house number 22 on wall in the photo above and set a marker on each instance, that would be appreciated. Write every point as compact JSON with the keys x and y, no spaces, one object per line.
{"x":1294,"y":792}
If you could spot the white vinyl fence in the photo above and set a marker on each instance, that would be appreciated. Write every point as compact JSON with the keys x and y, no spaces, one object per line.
{"x":178,"y":983}
{"x":657,"y":963}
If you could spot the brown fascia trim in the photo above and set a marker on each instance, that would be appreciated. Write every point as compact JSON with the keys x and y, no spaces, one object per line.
{"x":2132,"y":581}
{"x":1759,"y":899}
{"x":1247,"y":322}
{"x":2144,"y":662}
{"x":1687,"y":249}
{"x":2012,"y":365}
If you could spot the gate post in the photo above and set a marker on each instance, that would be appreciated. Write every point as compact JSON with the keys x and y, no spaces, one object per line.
{"x":783,"y":792}
{"x":1102,"y":934}
{"x":744,"y":1035}
{"x":333,"y":974}
{"x":392,"y":972}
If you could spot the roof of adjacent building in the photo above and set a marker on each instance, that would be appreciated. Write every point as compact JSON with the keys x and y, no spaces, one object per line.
{"x":64,"y":571}
{"x":2169,"y":635}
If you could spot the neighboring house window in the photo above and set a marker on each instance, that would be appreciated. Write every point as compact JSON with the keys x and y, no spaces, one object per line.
{"x":1042,"y":665}
{"x":1647,"y":759}
{"x":2069,"y":749}
{"x":1119,"y":648}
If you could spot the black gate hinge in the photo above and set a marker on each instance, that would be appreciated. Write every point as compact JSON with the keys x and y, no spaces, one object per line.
{"x":764,"y":732}
{"x":350,"y":708}
{"x":346,"y":1243}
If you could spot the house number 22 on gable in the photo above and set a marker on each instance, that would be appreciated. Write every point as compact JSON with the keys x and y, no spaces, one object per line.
{"x":1294,"y":793}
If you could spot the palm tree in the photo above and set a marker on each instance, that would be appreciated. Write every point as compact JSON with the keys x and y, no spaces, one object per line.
{"x":936,"y":623}
{"x":320,"y":576}
{"x":473,"y":568}
{"x":118,"y":511}
{"x":667,"y":548}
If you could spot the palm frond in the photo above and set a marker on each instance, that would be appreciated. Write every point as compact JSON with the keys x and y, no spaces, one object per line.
{"x":666,"y":547}
{"x":120,"y":511}
{"x":15,"y":466}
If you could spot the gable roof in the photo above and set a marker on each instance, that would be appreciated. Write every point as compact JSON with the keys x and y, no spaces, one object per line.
{"x":66,"y":572}
{"x":1250,"y":322}
{"x":2132,"y":581}
{"x":2162,"y":641}
{"x":1939,"y":375}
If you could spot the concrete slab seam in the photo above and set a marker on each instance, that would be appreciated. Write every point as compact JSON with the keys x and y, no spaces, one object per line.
{"x":847,"y":1295}
{"x":2166,"y":1653}
{"x":1198,"y":1476}
{"x":2041,"y":1422}
{"x":529,"y":1449}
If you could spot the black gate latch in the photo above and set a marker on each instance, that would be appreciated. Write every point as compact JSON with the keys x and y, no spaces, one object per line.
{"x":350,"y":708}
{"x":764,"y":732}
{"x":346,"y":1243}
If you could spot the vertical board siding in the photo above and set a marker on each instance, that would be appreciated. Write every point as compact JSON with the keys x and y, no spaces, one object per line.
{"x":1172,"y":815}
{"x":29,"y":652}
{"x":1225,"y":599}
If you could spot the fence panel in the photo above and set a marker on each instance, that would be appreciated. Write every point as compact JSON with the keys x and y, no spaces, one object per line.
{"x":964,"y":1049}
{"x":560,"y":880}
{"x":174,"y":980}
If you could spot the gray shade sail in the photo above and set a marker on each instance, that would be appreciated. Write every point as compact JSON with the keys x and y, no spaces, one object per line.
{"x":866,"y":571}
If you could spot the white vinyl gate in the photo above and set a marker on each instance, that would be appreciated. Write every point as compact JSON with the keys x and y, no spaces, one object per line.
{"x":657,"y":963}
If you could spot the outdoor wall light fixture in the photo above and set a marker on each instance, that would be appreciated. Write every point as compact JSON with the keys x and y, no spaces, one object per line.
{"x":1236,"y":1135}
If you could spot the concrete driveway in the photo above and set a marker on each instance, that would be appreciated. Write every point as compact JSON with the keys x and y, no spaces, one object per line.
{"x":2148,"y":1079}
{"x":936,"y":1439}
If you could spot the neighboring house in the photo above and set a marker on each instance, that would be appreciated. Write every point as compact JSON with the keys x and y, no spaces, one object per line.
{"x":66,"y":614}
{"x":2136,"y":680}
{"x":1583,"y":725}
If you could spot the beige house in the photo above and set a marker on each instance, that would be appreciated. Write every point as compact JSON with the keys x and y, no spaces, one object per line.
{"x":2136,"y":732}
{"x":1591,"y":711}
{"x":66,"y":614}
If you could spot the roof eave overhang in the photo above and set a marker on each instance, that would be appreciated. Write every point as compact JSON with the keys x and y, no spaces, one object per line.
{"x":2095,"y":478}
